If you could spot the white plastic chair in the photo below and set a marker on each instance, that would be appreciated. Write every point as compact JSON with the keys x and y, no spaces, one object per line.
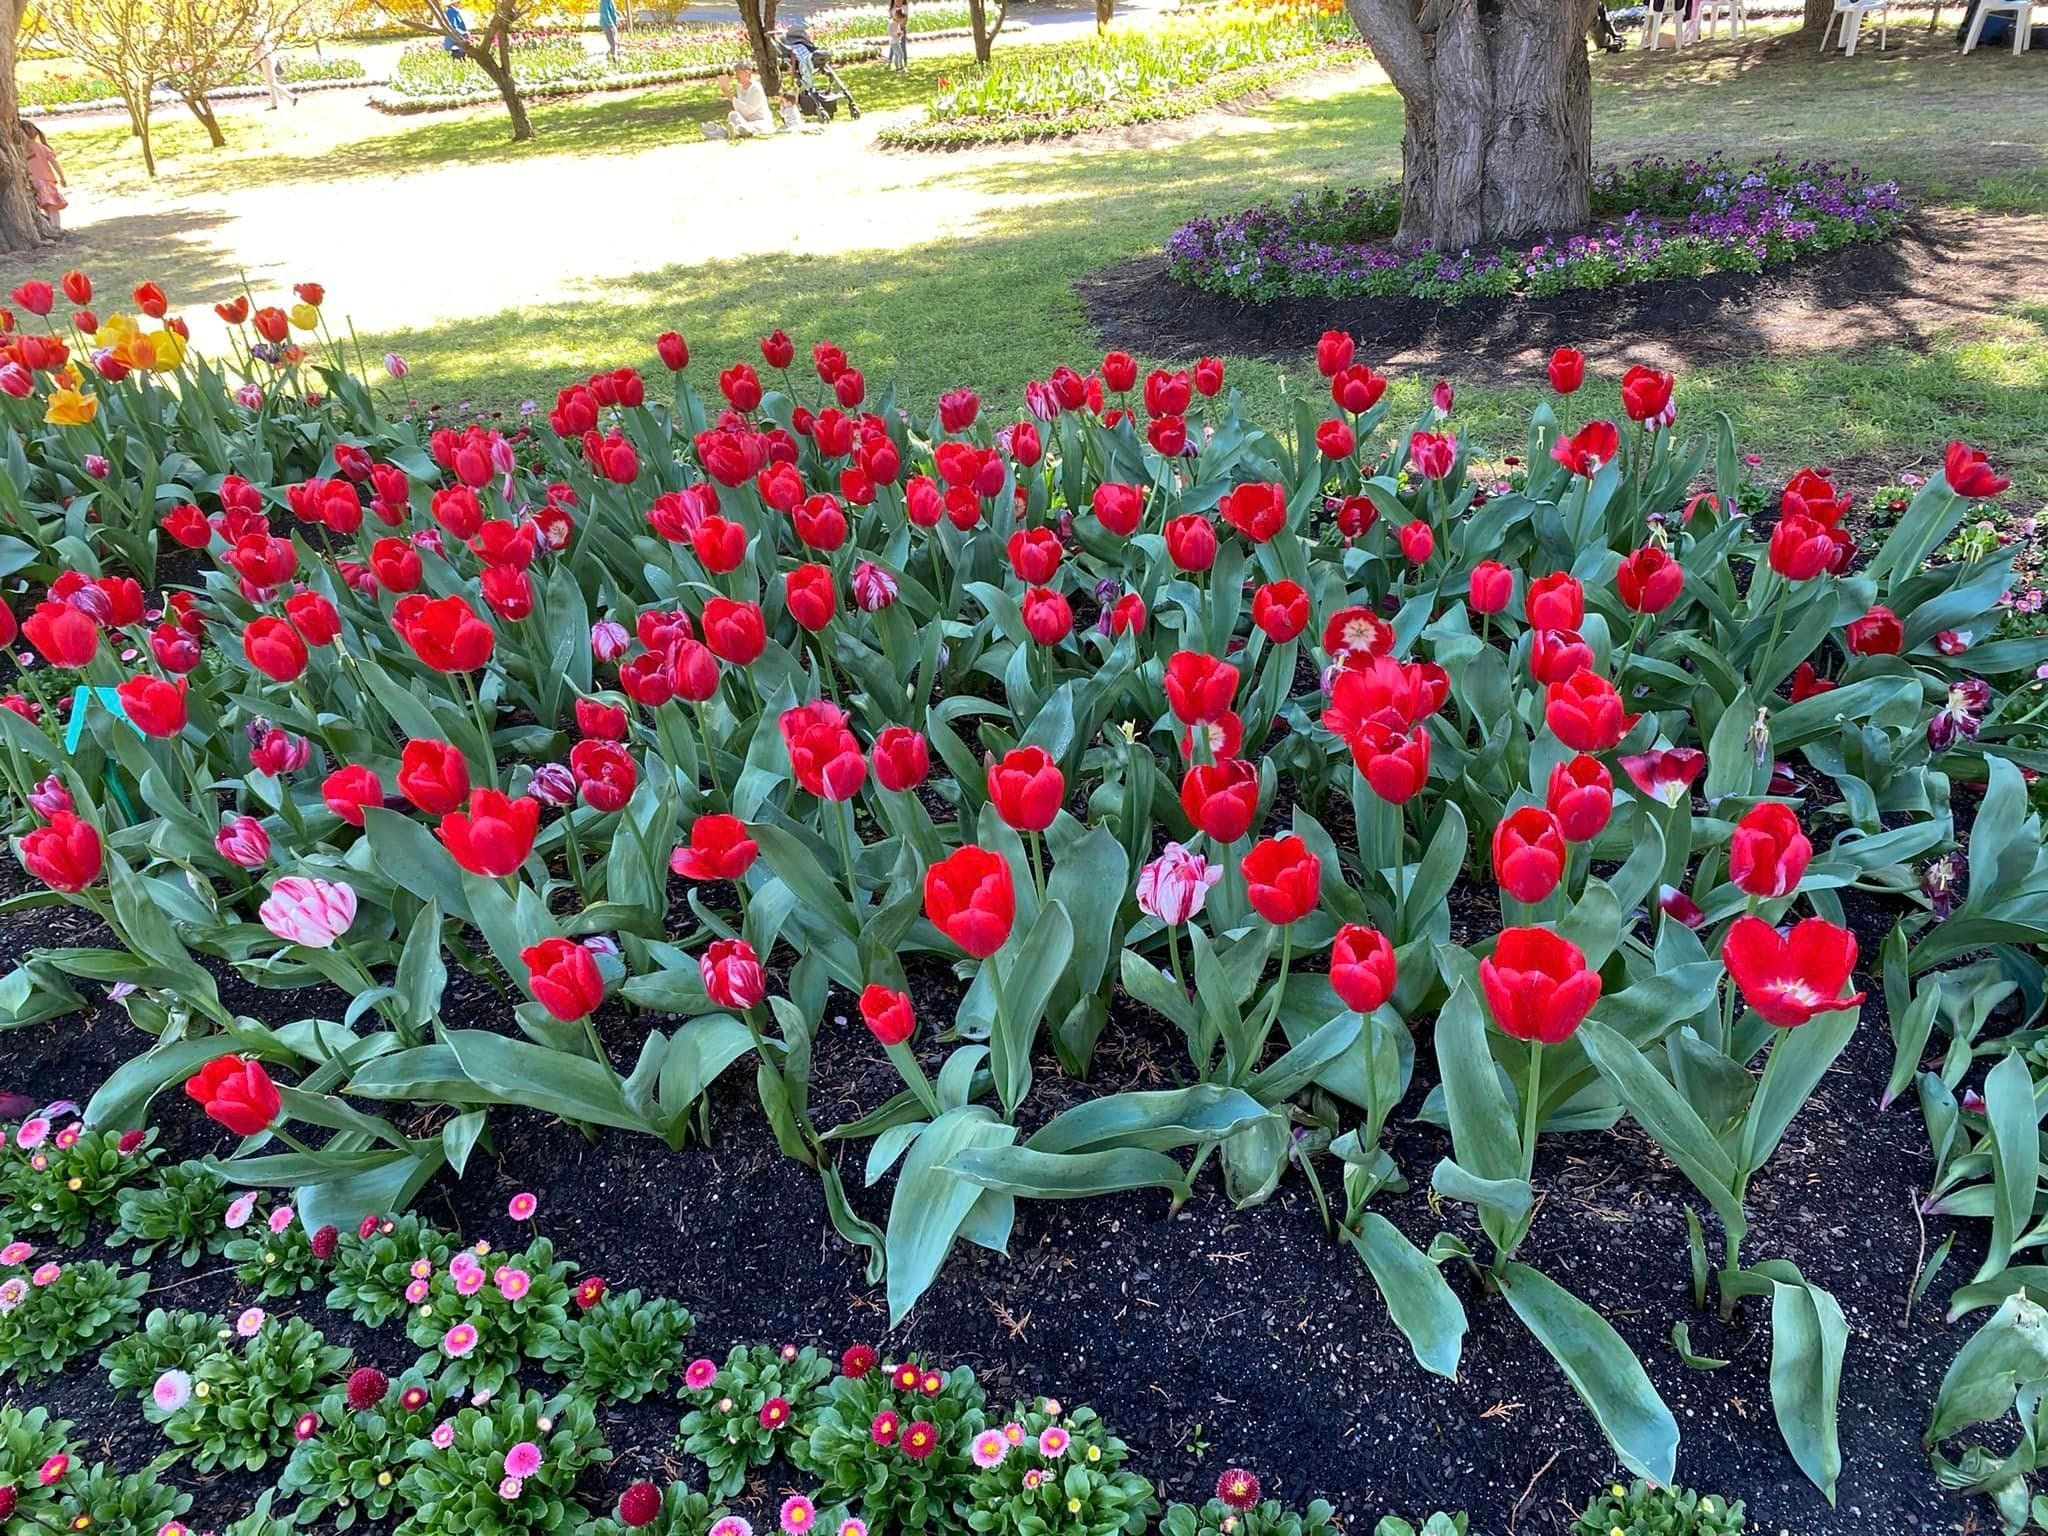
{"x":2022,"y":13}
{"x":1847,"y":24}
{"x":1706,"y":20}
{"x":1659,"y":14}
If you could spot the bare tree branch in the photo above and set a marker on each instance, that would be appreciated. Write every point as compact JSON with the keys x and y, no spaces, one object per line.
{"x":1389,"y":28}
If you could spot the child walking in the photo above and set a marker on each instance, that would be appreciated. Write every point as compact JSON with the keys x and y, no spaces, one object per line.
{"x":45,"y":177}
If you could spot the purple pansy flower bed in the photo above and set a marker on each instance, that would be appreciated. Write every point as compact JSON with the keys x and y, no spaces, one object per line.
{"x":1654,"y":218}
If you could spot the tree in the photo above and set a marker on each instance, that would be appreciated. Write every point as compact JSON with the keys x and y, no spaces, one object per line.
{"x":489,"y":47}
{"x":1105,"y":13}
{"x":984,"y":34}
{"x":758,"y":17}
{"x":17,"y":209}
{"x":208,"y":44}
{"x":1498,"y":104}
{"x":1817,"y":15}
{"x":124,"y":40}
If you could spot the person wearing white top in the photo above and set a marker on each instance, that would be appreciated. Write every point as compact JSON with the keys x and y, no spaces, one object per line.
{"x":750,"y":115}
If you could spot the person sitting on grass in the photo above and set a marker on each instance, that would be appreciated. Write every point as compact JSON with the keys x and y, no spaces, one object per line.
{"x":751,"y":116}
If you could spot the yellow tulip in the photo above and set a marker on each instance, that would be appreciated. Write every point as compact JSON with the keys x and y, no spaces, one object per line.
{"x":170,"y":349}
{"x":305,"y":317}
{"x":69,"y":408}
{"x":135,"y":350}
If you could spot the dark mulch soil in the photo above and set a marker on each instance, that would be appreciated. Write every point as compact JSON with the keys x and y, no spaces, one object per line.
{"x":1898,"y":291}
{"x":1211,"y":1337}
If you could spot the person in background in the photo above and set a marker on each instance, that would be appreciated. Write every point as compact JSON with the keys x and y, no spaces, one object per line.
{"x":458,"y":30}
{"x":751,"y":116}
{"x":608,"y":21}
{"x":899,"y":35}
{"x":271,"y":68}
{"x":45,"y":177}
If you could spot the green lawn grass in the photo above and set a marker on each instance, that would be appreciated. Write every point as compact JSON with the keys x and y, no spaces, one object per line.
{"x":999,"y":308}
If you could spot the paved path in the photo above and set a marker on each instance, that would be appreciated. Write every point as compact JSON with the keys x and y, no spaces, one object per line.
{"x":466,"y":240}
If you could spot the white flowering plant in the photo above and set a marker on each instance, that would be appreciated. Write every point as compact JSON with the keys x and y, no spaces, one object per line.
{"x":170,"y":1340}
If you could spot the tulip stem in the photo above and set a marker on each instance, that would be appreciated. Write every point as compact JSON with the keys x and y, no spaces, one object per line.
{"x":1763,"y":666}
{"x":573,"y":848}
{"x":710,"y":751}
{"x":913,"y":1074}
{"x":1241,"y":1070}
{"x":846,"y":851}
{"x":596,"y":1045}
{"x":1532,"y":1100}
{"x":1038,"y":866}
{"x":483,"y":729}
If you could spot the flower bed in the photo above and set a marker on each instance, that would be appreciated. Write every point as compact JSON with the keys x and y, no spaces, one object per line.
{"x":1657,"y":220}
{"x":565,"y":773}
{"x":1128,"y":76}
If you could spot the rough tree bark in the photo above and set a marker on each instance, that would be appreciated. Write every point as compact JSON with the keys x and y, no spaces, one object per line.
{"x":1105,"y":13}
{"x":984,"y":34}
{"x":1498,"y":104}
{"x":758,"y":16}
{"x":1816,"y":15}
{"x":17,"y":208}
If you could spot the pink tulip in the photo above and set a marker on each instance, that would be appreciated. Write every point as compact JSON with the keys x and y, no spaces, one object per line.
{"x":242,"y":840}
{"x":1174,"y":886}
{"x":50,"y":797}
{"x":310,"y":912}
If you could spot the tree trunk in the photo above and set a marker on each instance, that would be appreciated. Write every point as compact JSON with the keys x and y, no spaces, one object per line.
{"x":766,"y":64}
{"x":1498,"y":107}
{"x":17,"y":209}
{"x":985,"y":35}
{"x":495,"y":60}
{"x":1105,"y":12}
{"x":1816,"y":16}
{"x":203,"y":110}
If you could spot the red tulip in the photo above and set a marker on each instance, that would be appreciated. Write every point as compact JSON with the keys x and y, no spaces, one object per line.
{"x":1335,"y":438}
{"x":1788,"y":978}
{"x":444,"y":632}
{"x":1168,"y":435}
{"x":1395,"y":763}
{"x":1555,"y":655}
{"x":1357,"y":389}
{"x":1035,"y":555}
{"x":35,"y":296}
{"x":823,"y":754}
{"x":732,"y":974}
{"x":1581,"y":797}
{"x":1877,"y":633}
{"x":65,"y":855}
{"x":811,"y":596}
{"x":1768,"y":853}
{"x":348,"y":789}
{"x":1221,"y":798}
{"x":1119,"y":372}
{"x":1026,"y":789}
{"x":156,"y":707}
{"x":313,"y":616}
{"x":888,"y":1015}
{"x":396,"y":565}
{"x":1168,"y":394}
{"x":1969,"y":473}
{"x":1434,"y":454}
{"x":602,"y":720}
{"x":1493,"y":587}
{"x":563,"y":977}
{"x":1417,"y":540}
{"x":78,"y":288}
{"x":902,"y":759}
{"x":718,"y":849}
{"x":1280,"y":609}
{"x":188,"y":525}
{"x":1362,"y":967}
{"x":1048,"y":617}
{"x":1645,"y":392}
{"x":1127,"y":615}
{"x":1666,"y":774}
{"x":605,"y":774}
{"x":1283,"y":880}
{"x":1528,"y":853}
{"x":1258,"y":511}
{"x":1649,"y":580}
{"x":1537,"y":985}
{"x":969,"y":897}
{"x":274,"y":648}
{"x":237,"y":1093}
{"x":1594,"y":444}
{"x":1119,"y":508}
{"x":1208,"y":374}
{"x":1199,"y":688}
{"x":1191,"y":542}
{"x":495,"y":835}
{"x":1585,"y":713}
{"x":1567,"y":370}
{"x":61,"y":634}
{"x":1556,"y":601}
{"x":433,"y":775}
{"x":734,"y":631}
{"x":820,"y":523}
{"x":1334,"y":350}
{"x":721,"y":546}
{"x":673,"y":351}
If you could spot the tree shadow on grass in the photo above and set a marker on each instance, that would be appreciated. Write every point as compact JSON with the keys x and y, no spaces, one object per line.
{"x":175,"y":248}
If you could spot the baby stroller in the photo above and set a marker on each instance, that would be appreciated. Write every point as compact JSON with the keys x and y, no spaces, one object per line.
{"x":819,"y":90}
